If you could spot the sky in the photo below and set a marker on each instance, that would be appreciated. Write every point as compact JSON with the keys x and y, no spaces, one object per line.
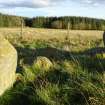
{"x":33,"y":8}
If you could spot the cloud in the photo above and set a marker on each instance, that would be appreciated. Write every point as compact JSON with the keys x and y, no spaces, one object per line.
{"x":93,"y":2}
{"x":28,"y":3}
{"x":24,"y":3}
{"x":44,"y":3}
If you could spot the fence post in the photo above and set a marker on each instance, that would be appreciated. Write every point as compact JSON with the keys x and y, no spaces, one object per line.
{"x":68,"y":28}
{"x":21,"y":33}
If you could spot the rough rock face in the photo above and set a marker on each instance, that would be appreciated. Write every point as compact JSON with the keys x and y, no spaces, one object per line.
{"x":8,"y":63}
{"x":104,"y":77}
{"x":104,"y":38}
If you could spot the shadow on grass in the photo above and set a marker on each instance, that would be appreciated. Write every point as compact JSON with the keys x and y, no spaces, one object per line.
{"x":94,"y":51}
{"x":21,"y":95}
{"x":70,"y":92}
{"x":95,"y":62}
{"x":86,"y":59}
{"x":26,"y":94}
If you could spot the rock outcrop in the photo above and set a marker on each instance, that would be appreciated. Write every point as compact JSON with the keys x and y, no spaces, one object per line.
{"x":8,"y":63}
{"x":104,"y":38}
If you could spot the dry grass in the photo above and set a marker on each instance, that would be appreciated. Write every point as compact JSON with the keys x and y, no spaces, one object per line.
{"x":46,"y":34}
{"x":77,"y":40}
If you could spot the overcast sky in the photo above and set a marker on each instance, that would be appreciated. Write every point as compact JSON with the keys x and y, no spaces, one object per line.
{"x":32,"y":8}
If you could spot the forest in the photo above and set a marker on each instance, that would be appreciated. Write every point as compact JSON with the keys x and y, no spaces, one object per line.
{"x":71,"y":22}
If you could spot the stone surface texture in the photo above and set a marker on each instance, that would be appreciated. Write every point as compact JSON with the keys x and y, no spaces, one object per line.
{"x":8,"y":63}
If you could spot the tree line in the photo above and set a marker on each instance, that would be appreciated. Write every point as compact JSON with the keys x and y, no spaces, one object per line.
{"x":10,"y":21}
{"x":75,"y":23}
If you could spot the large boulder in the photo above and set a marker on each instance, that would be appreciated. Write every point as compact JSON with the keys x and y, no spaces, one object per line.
{"x":104,"y":38}
{"x":8,"y":63}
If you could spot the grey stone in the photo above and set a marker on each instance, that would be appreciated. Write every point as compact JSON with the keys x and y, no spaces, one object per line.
{"x":8,"y":63}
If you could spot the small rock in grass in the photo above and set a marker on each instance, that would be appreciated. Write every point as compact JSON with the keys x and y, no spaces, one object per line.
{"x":43,"y":63}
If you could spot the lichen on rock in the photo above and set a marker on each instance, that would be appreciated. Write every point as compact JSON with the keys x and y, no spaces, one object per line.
{"x":43,"y":63}
{"x":8,"y":63}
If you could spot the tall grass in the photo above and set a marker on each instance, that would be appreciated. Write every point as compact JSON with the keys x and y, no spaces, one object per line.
{"x":62,"y":85}
{"x":76,"y":78}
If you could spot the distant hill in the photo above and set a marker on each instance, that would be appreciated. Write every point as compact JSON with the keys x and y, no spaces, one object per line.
{"x":73,"y":22}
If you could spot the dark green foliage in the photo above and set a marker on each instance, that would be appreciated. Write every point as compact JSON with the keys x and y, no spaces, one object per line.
{"x":28,"y":22}
{"x":76,"y":23}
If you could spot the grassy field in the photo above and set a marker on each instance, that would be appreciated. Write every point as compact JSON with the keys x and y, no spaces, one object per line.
{"x":79,"y":38}
{"x":55,"y":68}
{"x":47,"y":34}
